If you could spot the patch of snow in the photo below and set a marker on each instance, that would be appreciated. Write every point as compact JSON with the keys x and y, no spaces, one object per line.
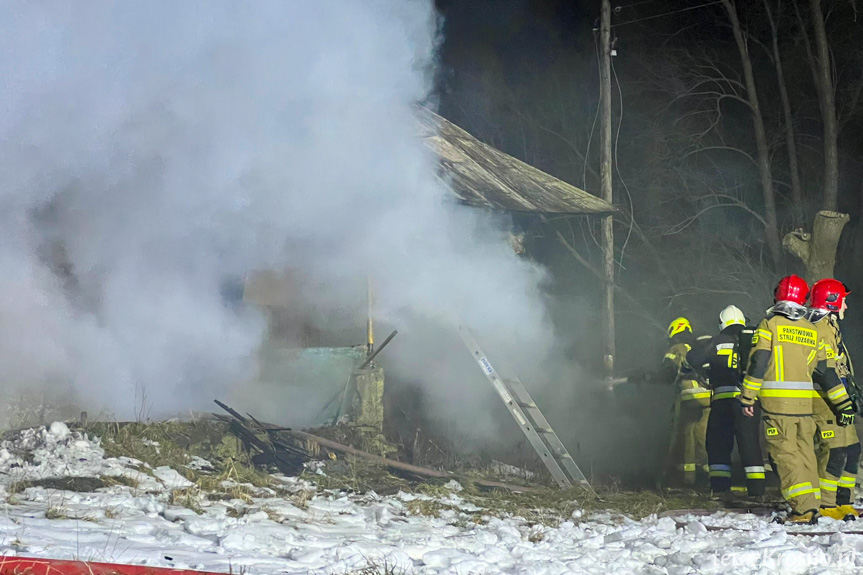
{"x":171,"y":478}
{"x":336,"y":533}
{"x":59,"y":430}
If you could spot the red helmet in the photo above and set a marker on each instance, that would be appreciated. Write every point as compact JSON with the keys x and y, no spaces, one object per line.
{"x":791,"y":288}
{"x":828,"y":294}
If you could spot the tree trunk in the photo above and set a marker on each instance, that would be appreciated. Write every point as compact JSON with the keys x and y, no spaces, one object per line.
{"x":810,"y":57}
{"x":817,"y":250}
{"x":771,"y":228}
{"x":827,"y":101}
{"x":793,"y":168}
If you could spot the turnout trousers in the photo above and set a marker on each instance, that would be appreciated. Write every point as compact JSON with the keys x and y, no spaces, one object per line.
{"x":838,"y":456}
{"x":848,"y":481}
{"x":790,"y":441}
{"x":687,"y":450}
{"x":727,"y":423}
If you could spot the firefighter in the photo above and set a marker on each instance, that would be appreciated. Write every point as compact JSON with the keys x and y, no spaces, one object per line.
{"x":839,"y":453}
{"x":724,"y":359}
{"x":691,"y":407}
{"x":786,"y":351}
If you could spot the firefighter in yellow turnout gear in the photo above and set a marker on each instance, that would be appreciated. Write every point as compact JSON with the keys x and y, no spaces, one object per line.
{"x":839,"y":453}
{"x":691,"y":408}
{"x":786,"y":351}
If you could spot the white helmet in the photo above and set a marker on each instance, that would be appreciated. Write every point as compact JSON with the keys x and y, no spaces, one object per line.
{"x":730,"y":316}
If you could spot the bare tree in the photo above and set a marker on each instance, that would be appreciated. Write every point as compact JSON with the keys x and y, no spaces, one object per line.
{"x":821,"y":64}
{"x":771,"y":227}
{"x":791,"y":142}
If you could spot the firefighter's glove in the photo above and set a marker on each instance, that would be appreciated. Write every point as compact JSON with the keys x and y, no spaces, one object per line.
{"x":845,"y":418}
{"x":853,"y":392}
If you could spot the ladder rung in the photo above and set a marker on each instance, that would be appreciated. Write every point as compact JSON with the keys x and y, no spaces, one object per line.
{"x":544,"y":430}
{"x":530,"y":405}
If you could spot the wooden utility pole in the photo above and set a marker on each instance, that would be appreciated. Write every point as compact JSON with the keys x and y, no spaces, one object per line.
{"x":605,"y":184}
{"x":370,"y":328}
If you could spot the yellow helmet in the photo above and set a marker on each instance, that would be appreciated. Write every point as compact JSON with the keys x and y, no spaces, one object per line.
{"x":679,"y":325}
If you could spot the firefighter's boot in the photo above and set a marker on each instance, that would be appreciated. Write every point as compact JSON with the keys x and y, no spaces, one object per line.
{"x":850,"y":514}
{"x":807,"y":517}
{"x":836,"y":513}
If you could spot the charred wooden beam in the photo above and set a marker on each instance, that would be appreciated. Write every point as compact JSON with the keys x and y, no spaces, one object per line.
{"x":372,"y":357}
{"x":287,"y":459}
{"x":407,"y":467}
{"x":348,"y":450}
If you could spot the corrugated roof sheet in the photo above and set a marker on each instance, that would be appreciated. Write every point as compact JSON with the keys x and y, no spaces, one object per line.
{"x":481,"y":175}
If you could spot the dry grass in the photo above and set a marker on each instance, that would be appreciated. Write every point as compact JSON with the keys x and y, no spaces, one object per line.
{"x":551,"y":506}
{"x":234,"y":477}
{"x":428,"y":507}
{"x":112,"y":480}
{"x":57,"y":513}
{"x":78,"y":484}
{"x":374,"y":568}
{"x":190,"y":498}
{"x":174,"y":444}
{"x":356,"y":475}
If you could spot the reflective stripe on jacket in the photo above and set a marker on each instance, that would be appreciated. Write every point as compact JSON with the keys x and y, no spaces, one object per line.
{"x":695,"y":392}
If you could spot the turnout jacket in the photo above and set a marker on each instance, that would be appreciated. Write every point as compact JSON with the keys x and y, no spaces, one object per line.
{"x":786,"y":350}
{"x":844,"y":367}
{"x":723,"y":360}
{"x":822,"y":398}
{"x":679,"y":371}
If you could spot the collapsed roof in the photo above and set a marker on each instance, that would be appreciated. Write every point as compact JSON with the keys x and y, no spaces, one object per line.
{"x":483,"y":176}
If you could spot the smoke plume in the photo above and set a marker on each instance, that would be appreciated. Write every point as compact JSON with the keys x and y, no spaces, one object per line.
{"x":154,"y":152}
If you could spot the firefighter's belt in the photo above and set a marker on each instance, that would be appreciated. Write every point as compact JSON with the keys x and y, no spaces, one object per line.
{"x":725,"y":392}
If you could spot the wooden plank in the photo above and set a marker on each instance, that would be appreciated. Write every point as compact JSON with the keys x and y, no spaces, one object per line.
{"x":484,"y":176}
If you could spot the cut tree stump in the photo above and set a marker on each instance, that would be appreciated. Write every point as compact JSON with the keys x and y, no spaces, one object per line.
{"x":817,"y":250}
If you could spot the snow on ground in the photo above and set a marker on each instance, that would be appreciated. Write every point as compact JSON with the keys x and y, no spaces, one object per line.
{"x":334,"y":533}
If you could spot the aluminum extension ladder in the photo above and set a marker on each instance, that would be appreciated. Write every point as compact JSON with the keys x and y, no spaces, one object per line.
{"x":530,"y":419}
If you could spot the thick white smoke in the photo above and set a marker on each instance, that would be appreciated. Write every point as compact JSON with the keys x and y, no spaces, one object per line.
{"x":158,"y":149}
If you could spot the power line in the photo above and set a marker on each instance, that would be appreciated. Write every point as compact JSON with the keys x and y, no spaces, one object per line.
{"x":618,"y":8}
{"x":617,"y":167}
{"x":667,"y":13}
{"x":595,"y":117}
